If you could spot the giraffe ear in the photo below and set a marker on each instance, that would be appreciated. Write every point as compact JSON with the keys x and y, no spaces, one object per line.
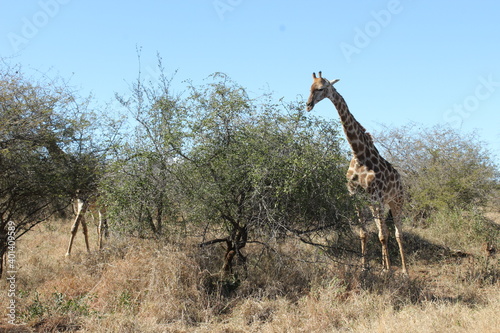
{"x":332,"y":82}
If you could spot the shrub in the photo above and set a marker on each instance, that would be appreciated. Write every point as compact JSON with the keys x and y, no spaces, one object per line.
{"x":441,"y":167}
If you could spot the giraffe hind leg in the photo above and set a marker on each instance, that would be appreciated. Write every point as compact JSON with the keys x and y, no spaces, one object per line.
{"x":396,"y":214}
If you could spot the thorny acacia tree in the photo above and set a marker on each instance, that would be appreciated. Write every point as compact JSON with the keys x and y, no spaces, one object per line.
{"x":140,"y":187}
{"x":263,"y":170}
{"x":246,"y":170}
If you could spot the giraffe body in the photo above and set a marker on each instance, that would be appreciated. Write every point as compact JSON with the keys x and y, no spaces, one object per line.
{"x":368,"y":171}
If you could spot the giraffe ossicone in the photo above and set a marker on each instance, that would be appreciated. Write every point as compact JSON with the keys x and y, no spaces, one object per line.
{"x":368,"y":171}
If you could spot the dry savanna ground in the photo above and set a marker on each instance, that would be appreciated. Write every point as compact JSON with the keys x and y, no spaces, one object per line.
{"x":171,"y":285}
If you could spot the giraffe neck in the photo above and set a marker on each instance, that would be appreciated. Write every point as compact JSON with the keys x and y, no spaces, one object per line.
{"x":360,"y":141}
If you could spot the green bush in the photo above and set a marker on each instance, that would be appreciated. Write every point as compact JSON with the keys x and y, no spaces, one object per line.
{"x":441,"y":167}
{"x":243,"y":168}
{"x":463,"y":229}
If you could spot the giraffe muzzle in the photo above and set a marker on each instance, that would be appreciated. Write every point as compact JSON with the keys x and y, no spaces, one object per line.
{"x":310,"y":106}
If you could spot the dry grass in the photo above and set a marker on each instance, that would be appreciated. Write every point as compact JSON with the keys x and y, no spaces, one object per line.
{"x":136,"y":285}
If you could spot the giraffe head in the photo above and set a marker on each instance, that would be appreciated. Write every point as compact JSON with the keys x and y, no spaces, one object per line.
{"x":319,"y":90}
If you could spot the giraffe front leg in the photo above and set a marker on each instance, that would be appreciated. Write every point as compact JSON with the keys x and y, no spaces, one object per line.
{"x":74,"y":229}
{"x":385,"y":253}
{"x":399,"y":238}
{"x":383,"y":235}
{"x":362,"y":236}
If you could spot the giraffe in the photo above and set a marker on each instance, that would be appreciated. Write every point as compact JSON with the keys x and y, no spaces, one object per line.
{"x":82,"y":204}
{"x":368,"y":171}
{"x":83,"y":201}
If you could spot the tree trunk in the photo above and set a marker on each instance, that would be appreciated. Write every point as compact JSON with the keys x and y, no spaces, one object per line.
{"x":159,"y":217}
{"x":235,"y":243}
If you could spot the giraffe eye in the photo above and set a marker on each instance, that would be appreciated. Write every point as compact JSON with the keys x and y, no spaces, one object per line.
{"x":320,"y":89}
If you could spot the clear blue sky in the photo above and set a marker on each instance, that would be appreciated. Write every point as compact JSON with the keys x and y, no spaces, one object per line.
{"x":432,"y":62}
